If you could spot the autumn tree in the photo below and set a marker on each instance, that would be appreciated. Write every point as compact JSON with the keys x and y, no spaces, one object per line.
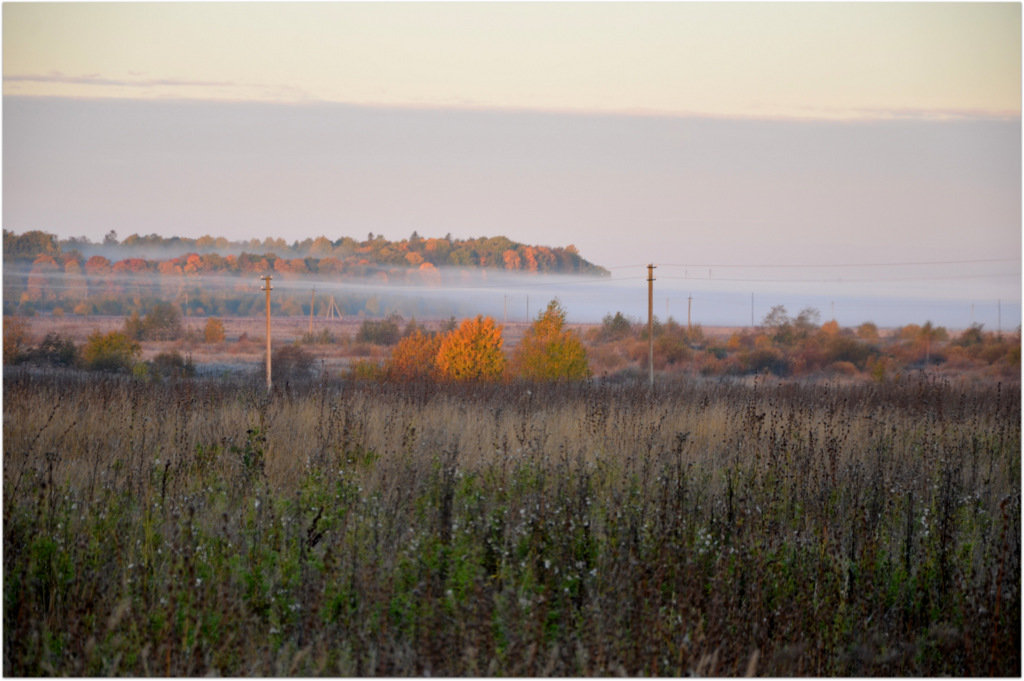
{"x":868,"y":331}
{"x":807,"y":320}
{"x":549,"y":351}
{"x":29,"y":245}
{"x":162,"y":322}
{"x":213,"y":332}
{"x":972,"y":336}
{"x":472,"y":351}
{"x":113,"y":351}
{"x":786,"y":331}
{"x":16,"y":339}
{"x":929,"y":334}
{"x":414,"y":357}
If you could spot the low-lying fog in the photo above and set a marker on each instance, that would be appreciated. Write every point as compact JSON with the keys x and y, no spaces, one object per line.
{"x":707,"y":298}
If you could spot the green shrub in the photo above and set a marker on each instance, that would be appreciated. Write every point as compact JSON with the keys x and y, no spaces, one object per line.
{"x":382,"y":332}
{"x":55,"y":350}
{"x":615,"y":327}
{"x":112,"y":351}
{"x":290,"y":363}
{"x":323,"y":337}
{"x":173,"y":365}
{"x":765,"y":359}
{"x":162,"y":322}
{"x":365,"y":370}
{"x":846,"y":349}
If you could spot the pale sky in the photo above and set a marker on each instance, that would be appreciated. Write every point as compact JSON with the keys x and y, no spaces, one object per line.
{"x":706,"y":137}
{"x":722,"y":59}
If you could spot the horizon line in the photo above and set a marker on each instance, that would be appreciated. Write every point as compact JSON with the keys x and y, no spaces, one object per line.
{"x":838,"y":116}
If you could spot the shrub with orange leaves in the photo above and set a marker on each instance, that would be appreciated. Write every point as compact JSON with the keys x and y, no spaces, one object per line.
{"x":413,"y":358}
{"x":472,"y":352}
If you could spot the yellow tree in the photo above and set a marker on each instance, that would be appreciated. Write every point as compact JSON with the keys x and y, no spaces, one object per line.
{"x":113,"y":351}
{"x":213,"y":332}
{"x":413,"y":357}
{"x":549,"y":351}
{"x":472,"y":352}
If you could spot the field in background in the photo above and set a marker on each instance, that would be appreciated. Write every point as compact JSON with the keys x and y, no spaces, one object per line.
{"x":200,"y":526}
{"x":617,"y":349}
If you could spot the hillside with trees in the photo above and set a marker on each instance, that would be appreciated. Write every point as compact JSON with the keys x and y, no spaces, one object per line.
{"x":343,"y":255}
{"x":44,"y":273}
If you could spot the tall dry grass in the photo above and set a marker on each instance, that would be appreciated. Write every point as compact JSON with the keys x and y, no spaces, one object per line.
{"x":202,"y":526}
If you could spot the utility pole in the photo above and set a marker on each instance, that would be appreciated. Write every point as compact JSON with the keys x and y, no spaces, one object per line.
{"x":332,"y":310}
{"x":751,"y":309}
{"x":650,"y":322}
{"x":312,"y":298}
{"x":689,"y":308}
{"x":266,"y":287}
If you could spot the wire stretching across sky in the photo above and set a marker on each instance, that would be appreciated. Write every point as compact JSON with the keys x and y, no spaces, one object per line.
{"x":699,"y":268}
{"x":861,"y":264}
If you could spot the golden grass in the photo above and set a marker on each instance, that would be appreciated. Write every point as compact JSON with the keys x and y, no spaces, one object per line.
{"x":585,"y":529}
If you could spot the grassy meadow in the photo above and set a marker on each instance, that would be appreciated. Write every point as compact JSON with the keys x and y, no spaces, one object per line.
{"x":198,"y":526}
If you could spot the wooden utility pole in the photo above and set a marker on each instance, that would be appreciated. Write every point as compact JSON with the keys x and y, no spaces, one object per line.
{"x":650,"y":322}
{"x":266,"y":287}
{"x":312,"y":300}
{"x":689,"y":308}
{"x":332,"y":310}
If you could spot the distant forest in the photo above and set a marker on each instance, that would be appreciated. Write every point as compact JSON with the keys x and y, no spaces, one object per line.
{"x":44,"y":273}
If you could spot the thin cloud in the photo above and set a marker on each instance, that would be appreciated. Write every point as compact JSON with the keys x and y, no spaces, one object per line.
{"x":93,"y":79}
{"x":908,"y":113}
{"x":241,"y":91}
{"x":290,"y":93}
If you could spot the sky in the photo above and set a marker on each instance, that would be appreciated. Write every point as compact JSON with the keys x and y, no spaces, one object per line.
{"x":854,"y":149}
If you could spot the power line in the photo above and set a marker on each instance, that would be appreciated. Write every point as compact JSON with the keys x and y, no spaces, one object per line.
{"x":917,"y":263}
{"x":845,"y":280}
{"x":519,"y":285}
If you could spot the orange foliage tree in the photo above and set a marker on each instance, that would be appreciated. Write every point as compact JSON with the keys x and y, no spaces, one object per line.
{"x":413,"y":357}
{"x":472,"y":352}
{"x":549,"y":351}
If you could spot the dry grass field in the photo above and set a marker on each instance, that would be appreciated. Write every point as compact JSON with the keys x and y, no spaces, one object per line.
{"x":245,"y":338}
{"x":200,"y":526}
